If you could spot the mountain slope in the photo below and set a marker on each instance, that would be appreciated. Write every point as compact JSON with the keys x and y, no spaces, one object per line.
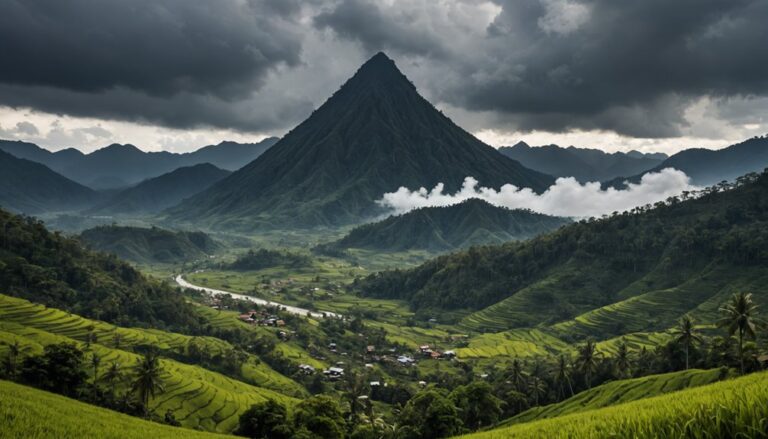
{"x":58,"y":161}
{"x":472,"y":222}
{"x":161,"y":192}
{"x":636,"y":271}
{"x":583,"y":164}
{"x":725,"y":409}
{"x":118,"y":166}
{"x":37,"y":414}
{"x":707,"y":167}
{"x":149,"y":245}
{"x":56,"y":271}
{"x":30,"y":187}
{"x":372,"y":136}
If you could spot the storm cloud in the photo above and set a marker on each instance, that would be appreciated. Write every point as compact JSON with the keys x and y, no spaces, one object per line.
{"x":636,"y":68}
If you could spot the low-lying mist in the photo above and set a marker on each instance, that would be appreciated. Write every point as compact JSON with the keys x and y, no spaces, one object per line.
{"x":567,"y":197}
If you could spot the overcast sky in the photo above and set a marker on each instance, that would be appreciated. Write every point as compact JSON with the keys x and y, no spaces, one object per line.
{"x":653,"y":75}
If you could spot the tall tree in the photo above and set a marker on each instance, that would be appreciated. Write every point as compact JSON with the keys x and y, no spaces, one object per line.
{"x":562,"y":375}
{"x":739,"y":318}
{"x":587,"y":361}
{"x":687,"y":336}
{"x":621,"y":361}
{"x":516,"y":376}
{"x":477,"y":405}
{"x":267,"y":419}
{"x":95,"y":362}
{"x":12,"y":361}
{"x":148,"y":381}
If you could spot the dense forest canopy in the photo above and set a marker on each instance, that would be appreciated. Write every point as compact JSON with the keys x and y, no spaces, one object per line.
{"x":57,"y":271}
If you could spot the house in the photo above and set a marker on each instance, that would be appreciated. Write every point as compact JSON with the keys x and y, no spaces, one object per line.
{"x":435,"y":355}
{"x":370,"y":349}
{"x":449,"y":354}
{"x":245,"y":318}
{"x":405,"y":361}
{"x":306,"y":369}
{"x":334,"y":373}
{"x":375,"y":383}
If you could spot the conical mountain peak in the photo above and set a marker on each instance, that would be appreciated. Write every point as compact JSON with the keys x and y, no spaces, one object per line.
{"x":379,"y":70}
{"x":373,"y":136}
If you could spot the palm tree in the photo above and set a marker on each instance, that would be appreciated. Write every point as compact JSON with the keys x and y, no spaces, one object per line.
{"x":13,"y":358}
{"x":95,"y":361}
{"x":622,"y":362}
{"x":537,"y":388}
{"x":563,"y":375}
{"x":148,"y":381}
{"x":517,"y":376}
{"x":355,"y":388}
{"x":738,"y":318}
{"x":587,"y":361}
{"x":111,"y":376}
{"x":687,"y":336}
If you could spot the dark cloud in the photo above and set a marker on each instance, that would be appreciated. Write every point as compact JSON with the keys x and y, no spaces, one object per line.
{"x":381,"y":29}
{"x":156,"y":47}
{"x":628,"y":66}
{"x":634,"y":67}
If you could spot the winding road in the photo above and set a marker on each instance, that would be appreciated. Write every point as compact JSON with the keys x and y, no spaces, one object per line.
{"x":291,"y":309}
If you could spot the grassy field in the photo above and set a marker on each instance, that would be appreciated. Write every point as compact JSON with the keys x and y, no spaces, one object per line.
{"x":199,"y":398}
{"x":29,"y":413}
{"x":728,"y":409}
{"x":619,"y":392}
{"x":512,"y":343}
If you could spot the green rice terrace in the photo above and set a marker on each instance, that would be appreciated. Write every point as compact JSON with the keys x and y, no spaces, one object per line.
{"x":729,"y":409}
{"x":35,"y":414}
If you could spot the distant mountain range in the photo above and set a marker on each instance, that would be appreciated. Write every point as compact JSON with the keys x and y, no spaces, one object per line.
{"x":150,"y":245}
{"x":374,"y":135}
{"x":581,"y":163}
{"x":706,"y":167}
{"x":438,"y":229}
{"x":159,"y":193}
{"x":30,"y":187}
{"x":120,"y":166}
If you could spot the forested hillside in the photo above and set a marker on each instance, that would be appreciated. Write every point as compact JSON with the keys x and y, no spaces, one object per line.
{"x":51,"y":269}
{"x":693,"y":238}
{"x":472,"y":222}
{"x":150,"y":245}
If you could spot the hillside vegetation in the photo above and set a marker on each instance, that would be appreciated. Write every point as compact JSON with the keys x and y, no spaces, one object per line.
{"x":196,"y":396}
{"x":35,"y":414}
{"x":150,"y":245}
{"x":619,"y":392}
{"x":438,"y":229}
{"x":727,"y":409}
{"x":634,"y":271}
{"x":51,"y":269}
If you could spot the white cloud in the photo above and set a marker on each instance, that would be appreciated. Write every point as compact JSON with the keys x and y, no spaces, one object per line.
{"x":566,"y":197}
{"x":563,"y":16}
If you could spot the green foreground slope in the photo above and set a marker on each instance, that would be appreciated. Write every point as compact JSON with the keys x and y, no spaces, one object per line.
{"x":733,"y":408}
{"x":198,"y":398}
{"x":29,"y":413}
{"x":619,"y":392}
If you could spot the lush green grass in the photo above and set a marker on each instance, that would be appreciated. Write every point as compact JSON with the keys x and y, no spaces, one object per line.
{"x":729,"y":409}
{"x":14,"y":310}
{"x":29,"y":413}
{"x":618,"y":392}
{"x":199,"y":398}
{"x":512,"y":343}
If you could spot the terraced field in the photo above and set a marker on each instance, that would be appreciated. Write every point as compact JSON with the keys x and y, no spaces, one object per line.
{"x":199,"y":398}
{"x":618,"y":392}
{"x":513,"y":343}
{"x":15,"y":310}
{"x":728,"y":409}
{"x":23,"y":409}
